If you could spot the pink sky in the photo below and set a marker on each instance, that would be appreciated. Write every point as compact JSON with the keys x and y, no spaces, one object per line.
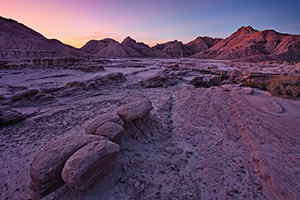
{"x":156,"y":21}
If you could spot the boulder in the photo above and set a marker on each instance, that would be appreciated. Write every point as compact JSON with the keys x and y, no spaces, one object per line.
{"x":46,"y":167}
{"x":10,"y":116}
{"x":89,"y":163}
{"x":92,"y":127}
{"x":134,"y":110}
{"x":112,"y":131}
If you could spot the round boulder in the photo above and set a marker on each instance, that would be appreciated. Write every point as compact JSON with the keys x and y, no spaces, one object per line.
{"x":47,"y":165}
{"x":134,"y":110}
{"x":89,"y":163}
{"x":92,"y":127}
{"x":112,"y":131}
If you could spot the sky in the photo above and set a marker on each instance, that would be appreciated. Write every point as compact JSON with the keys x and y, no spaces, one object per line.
{"x":75,"y":22}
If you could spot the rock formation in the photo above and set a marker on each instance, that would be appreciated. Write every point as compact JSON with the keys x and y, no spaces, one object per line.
{"x":79,"y":161}
{"x":46,"y":168}
{"x":248,"y":44}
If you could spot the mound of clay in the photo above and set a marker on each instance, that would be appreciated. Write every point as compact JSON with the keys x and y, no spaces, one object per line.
{"x":89,"y":163}
{"x":46,"y":167}
{"x":134,"y":110}
{"x":92,"y":127}
{"x":112,"y":131}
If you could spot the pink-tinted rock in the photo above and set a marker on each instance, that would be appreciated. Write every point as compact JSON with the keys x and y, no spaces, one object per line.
{"x":134,"y":110}
{"x":92,"y":127}
{"x":47,"y":165}
{"x":89,"y":163}
{"x":112,"y":131}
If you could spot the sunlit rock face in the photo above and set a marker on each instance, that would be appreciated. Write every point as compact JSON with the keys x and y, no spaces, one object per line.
{"x":248,"y":44}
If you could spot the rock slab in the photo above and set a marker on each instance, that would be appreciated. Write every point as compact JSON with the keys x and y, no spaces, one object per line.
{"x":46,"y":168}
{"x":89,"y":163}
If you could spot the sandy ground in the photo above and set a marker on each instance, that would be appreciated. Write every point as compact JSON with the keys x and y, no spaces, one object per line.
{"x":225,"y":142}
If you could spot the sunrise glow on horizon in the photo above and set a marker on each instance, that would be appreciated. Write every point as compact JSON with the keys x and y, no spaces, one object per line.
{"x":78,"y":21}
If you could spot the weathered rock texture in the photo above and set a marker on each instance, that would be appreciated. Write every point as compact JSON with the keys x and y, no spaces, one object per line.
{"x":46,"y":167}
{"x":89,"y":163}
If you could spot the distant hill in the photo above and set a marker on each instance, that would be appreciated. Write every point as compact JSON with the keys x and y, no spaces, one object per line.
{"x":248,"y":44}
{"x":143,"y":49}
{"x":202,"y":43}
{"x":128,"y":48}
{"x":109,"y":48}
{"x":174,"y":49}
{"x":17,"y":41}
